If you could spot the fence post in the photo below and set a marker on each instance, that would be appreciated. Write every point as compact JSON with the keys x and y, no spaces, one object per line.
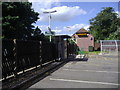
{"x":101,"y":45}
{"x":40,"y":49}
{"x":67,"y":48}
{"x":116,"y":45}
{"x":15,"y":57}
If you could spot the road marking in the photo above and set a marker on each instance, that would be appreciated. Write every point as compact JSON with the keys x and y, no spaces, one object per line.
{"x":91,"y":71}
{"x":96,"y":64}
{"x":68,"y":64}
{"x":79,"y":81}
{"x":99,"y":63}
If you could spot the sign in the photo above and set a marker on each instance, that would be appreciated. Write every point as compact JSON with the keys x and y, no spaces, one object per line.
{"x":48,"y":33}
{"x":82,"y":34}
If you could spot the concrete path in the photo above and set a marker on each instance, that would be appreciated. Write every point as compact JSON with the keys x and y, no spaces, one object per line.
{"x":97,"y":72}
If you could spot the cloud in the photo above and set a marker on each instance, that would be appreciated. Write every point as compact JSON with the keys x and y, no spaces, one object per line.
{"x":57,"y":31}
{"x":43,"y":4}
{"x":43,"y":28}
{"x":64,"y":13}
{"x":87,"y":27}
{"x":118,"y":14}
{"x":69,"y":30}
{"x":76,"y":27}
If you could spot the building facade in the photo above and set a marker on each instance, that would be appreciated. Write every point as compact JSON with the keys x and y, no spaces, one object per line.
{"x":84,"y":39}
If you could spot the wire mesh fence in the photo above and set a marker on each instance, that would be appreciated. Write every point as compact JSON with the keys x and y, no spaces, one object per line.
{"x":110,"y":46}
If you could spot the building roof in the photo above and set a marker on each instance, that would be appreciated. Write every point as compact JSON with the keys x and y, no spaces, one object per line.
{"x":82,"y":30}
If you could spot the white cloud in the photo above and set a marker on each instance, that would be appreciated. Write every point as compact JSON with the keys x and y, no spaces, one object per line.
{"x":118,"y":14}
{"x":65,"y":30}
{"x":76,"y":27}
{"x":64,"y":13}
{"x":57,"y":31}
{"x":43,"y":28}
{"x":70,"y":30}
{"x":42,"y":4}
{"x":87,"y":27}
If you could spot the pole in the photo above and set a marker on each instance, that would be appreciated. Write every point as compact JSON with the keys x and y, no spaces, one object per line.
{"x":49,"y":20}
{"x":50,"y":27}
{"x":116,"y":45}
{"x":101,"y":45}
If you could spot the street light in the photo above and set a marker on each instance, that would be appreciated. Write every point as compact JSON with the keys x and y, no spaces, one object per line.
{"x":49,"y":27}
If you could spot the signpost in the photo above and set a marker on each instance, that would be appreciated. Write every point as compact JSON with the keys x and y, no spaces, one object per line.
{"x":49,"y":27}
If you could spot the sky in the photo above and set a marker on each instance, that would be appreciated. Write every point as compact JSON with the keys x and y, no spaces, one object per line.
{"x":70,"y":16}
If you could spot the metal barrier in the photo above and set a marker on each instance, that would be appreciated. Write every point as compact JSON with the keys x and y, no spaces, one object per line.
{"x":110,"y":46}
{"x":19,"y":55}
{"x":72,"y":49}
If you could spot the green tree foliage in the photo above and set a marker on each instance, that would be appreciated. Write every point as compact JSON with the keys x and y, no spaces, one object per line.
{"x":105,"y":25}
{"x":17,"y":19}
{"x":37,"y":35}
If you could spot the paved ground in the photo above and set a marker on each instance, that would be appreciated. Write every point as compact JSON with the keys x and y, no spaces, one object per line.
{"x":97,"y":72}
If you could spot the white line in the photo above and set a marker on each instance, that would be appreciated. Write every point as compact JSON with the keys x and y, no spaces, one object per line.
{"x":79,"y":81}
{"x":91,"y":71}
{"x":95,"y":64}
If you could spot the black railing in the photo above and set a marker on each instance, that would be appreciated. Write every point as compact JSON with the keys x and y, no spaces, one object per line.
{"x":19,"y":55}
{"x":72,"y":49}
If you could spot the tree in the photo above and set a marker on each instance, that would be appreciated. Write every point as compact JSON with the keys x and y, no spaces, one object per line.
{"x":17,"y":19}
{"x":37,"y":35}
{"x":105,"y":25}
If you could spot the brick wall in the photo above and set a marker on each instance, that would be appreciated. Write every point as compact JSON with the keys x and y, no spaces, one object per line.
{"x":85,"y":42}
{"x":97,"y":46}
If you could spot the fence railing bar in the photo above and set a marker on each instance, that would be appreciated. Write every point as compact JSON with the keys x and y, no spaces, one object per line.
{"x":21,"y":56}
{"x":15,"y":57}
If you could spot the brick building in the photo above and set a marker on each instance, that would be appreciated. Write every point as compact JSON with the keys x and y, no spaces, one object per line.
{"x":83,"y":39}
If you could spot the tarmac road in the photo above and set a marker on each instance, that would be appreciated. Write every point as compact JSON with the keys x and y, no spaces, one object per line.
{"x":97,"y":72}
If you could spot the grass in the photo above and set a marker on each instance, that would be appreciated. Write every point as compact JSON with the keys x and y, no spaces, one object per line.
{"x":90,"y":53}
{"x":94,"y":52}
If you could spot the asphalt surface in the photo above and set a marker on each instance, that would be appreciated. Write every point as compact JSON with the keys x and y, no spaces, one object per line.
{"x":97,"y":72}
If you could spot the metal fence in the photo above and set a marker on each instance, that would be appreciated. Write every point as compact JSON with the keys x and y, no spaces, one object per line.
{"x":110,"y":46}
{"x":72,"y":49}
{"x":19,"y":55}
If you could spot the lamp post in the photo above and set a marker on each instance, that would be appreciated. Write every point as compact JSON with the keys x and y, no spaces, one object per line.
{"x":49,"y":27}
